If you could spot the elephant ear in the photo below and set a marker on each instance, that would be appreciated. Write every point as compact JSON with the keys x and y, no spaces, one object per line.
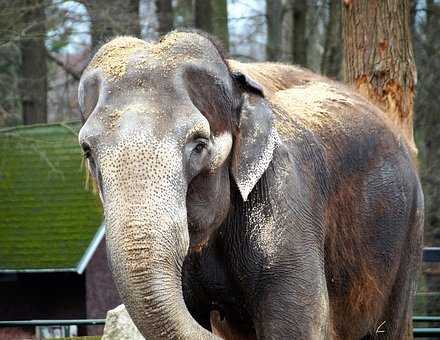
{"x":256,"y":138}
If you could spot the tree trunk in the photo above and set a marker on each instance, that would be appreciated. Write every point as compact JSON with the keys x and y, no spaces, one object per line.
{"x":413,"y":13}
{"x":164,"y":12}
{"x":220,"y":21}
{"x":379,"y":58}
{"x":110,"y":18}
{"x":299,"y":37}
{"x":133,"y":26}
{"x":184,"y":13}
{"x":212,"y":16}
{"x":332,"y":56}
{"x":428,"y":138}
{"x":33,"y":85}
{"x":274,"y":14}
{"x":203,"y":15}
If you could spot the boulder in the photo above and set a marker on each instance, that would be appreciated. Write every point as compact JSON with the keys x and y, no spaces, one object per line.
{"x":119,"y":326}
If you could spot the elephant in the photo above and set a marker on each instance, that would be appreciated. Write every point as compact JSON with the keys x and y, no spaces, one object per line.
{"x":248,"y":200}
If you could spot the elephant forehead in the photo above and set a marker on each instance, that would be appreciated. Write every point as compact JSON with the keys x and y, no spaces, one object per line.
{"x":112,"y":58}
{"x":119,"y":56}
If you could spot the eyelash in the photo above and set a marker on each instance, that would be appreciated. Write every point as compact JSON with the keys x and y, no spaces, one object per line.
{"x":87,"y":152}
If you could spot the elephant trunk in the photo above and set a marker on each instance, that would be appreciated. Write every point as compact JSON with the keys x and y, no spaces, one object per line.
{"x":147,"y":253}
{"x":147,"y":239}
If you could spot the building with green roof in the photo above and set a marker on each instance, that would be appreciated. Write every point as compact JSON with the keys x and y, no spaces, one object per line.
{"x":51,"y":227}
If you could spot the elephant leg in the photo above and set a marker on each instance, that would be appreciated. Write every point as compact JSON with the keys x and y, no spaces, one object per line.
{"x":396,"y":322}
{"x":294,"y":304}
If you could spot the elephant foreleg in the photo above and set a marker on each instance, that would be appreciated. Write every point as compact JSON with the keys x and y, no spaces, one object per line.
{"x":294,"y":306}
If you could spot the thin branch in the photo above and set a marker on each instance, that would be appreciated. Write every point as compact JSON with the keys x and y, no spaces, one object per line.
{"x":76,"y":75}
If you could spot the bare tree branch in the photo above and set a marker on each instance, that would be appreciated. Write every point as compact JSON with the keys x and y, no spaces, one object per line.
{"x":76,"y":75}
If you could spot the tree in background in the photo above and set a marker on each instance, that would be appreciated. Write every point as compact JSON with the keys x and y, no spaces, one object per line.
{"x":220,"y":21}
{"x":274,"y":19}
{"x":299,"y":32}
{"x":332,"y":55}
{"x":183,"y":13}
{"x":112,"y":17}
{"x":165,"y":18}
{"x":10,"y":68}
{"x":203,"y":15}
{"x":212,"y":17}
{"x":33,"y":82}
{"x":379,"y":58}
{"x":427,"y":120}
{"x":426,"y":31}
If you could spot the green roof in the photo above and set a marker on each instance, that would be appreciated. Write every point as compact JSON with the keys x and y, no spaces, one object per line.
{"x":48,"y":219}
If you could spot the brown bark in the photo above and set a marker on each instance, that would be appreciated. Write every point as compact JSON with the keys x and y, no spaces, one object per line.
{"x":332,"y":56}
{"x":299,"y":37}
{"x":274,"y":15}
{"x":379,"y":57}
{"x":164,"y":12}
{"x":33,"y":85}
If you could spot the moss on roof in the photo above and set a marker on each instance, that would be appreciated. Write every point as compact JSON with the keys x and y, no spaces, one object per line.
{"x":47,"y":216}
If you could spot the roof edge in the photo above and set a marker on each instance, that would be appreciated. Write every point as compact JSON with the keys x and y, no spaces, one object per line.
{"x":37,"y":270}
{"x":38,"y":125}
{"x":88,"y":254}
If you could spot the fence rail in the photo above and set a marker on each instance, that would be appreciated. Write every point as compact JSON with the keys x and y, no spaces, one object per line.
{"x":77,"y":322}
{"x":431,"y":254}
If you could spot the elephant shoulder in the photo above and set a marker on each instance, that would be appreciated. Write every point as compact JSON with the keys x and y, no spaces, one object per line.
{"x":329,"y":110}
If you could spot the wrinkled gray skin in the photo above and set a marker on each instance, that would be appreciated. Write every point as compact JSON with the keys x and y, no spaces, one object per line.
{"x":142,"y":129}
{"x":190,"y":167}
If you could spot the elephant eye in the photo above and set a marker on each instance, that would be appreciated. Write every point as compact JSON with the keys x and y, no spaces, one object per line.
{"x":201,"y":145}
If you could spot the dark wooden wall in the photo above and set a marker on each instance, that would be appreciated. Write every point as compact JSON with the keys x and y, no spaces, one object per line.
{"x":101,"y":293}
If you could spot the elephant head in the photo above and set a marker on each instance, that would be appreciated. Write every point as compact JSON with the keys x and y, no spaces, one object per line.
{"x":168,"y":129}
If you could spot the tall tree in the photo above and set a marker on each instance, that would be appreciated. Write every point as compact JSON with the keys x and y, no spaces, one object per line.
{"x":274,"y":18}
{"x":299,"y":32}
{"x":113,"y":17}
{"x":212,"y":17}
{"x":379,"y":58}
{"x":220,"y":21}
{"x":183,"y":13}
{"x":203,"y":15}
{"x":33,"y":83}
{"x":164,"y":12}
{"x":332,"y":56}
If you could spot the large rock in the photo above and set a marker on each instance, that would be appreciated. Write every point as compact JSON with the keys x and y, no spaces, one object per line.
{"x":119,"y":326}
